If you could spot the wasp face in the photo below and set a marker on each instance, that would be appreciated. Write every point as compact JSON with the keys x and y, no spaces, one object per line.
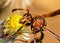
{"x":26,"y":17}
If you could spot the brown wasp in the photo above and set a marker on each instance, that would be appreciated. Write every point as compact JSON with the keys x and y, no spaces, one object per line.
{"x":38,"y":24}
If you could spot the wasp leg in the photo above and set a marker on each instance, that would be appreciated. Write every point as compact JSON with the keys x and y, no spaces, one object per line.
{"x":39,"y":40}
{"x":52,"y":33}
{"x":52,"y":14}
{"x":21,"y":40}
{"x":42,"y":36}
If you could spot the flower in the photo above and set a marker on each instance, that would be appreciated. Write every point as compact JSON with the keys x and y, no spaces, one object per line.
{"x":12,"y":24}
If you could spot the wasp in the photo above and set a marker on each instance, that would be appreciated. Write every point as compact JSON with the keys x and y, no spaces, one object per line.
{"x":37,"y":24}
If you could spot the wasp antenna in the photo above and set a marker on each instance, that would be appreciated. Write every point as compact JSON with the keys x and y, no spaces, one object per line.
{"x":14,"y":10}
{"x":27,"y":10}
{"x":17,"y":9}
{"x":20,"y":9}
